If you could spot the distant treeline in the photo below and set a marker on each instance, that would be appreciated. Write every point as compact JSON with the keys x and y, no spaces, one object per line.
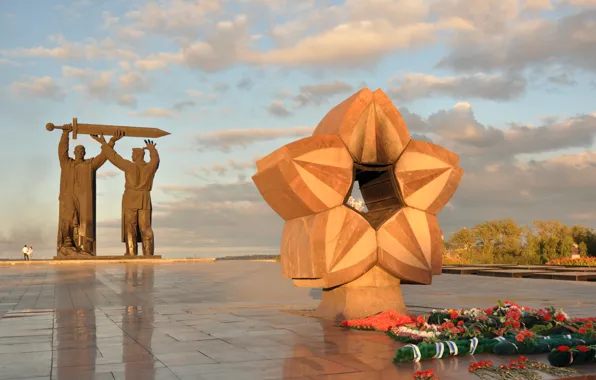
{"x":505,"y":242}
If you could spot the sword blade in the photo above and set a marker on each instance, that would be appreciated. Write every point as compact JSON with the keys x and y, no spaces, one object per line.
{"x":110,"y":130}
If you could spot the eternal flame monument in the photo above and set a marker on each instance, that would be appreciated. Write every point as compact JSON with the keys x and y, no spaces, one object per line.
{"x":360,"y":259}
{"x":77,"y":197}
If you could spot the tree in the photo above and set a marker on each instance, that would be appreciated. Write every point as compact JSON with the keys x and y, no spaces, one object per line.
{"x":462,"y":239}
{"x":551,"y":228}
{"x":566,"y":246}
{"x":549,"y":248}
{"x":583,"y":249}
{"x":587,"y":236}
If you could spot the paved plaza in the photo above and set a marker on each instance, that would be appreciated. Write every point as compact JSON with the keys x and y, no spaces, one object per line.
{"x":217,"y":321}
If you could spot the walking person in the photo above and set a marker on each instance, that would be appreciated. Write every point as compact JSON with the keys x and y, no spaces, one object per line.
{"x":25,"y":251}
{"x":29,"y":253}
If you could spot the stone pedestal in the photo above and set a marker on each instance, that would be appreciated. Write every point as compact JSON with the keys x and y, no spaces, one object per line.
{"x":99,"y":258}
{"x":374,"y":292}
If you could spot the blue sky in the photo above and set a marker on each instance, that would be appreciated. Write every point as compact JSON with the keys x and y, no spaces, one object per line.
{"x":234,"y":80}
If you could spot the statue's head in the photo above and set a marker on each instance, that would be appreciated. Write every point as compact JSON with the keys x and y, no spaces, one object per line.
{"x":79,"y":152}
{"x":138,"y":155}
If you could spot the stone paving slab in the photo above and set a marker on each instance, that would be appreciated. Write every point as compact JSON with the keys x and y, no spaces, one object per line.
{"x":514,"y":273}
{"x":567,"y":276}
{"x":227,"y":320}
{"x":463,"y":270}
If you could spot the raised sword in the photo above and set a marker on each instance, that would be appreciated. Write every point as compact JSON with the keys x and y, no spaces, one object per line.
{"x":108,"y":130}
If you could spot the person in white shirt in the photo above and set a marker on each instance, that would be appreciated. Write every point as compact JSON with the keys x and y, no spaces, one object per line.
{"x":25,"y":251}
{"x":29,"y":253}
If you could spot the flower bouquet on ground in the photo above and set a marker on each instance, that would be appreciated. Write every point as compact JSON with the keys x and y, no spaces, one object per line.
{"x":379,"y":322}
{"x":425,"y":375}
{"x":522,"y":368}
{"x":564,"y":356}
{"x":522,"y":343}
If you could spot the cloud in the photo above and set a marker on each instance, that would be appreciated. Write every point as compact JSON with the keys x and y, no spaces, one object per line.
{"x":459,"y":130}
{"x":201,"y":96}
{"x":278,"y":108}
{"x":154,"y":112}
{"x":354,"y":44}
{"x":174,"y":18}
{"x":221,"y":87}
{"x":106,"y":174}
{"x":78,"y":73}
{"x":231,"y":166}
{"x":183,"y":105}
{"x":494,"y":87}
{"x":226,"y":139}
{"x":105,"y":49}
{"x":319,"y":93}
{"x":104,"y":86}
{"x":564,"y":79}
{"x":245,"y":84}
{"x":8,"y":62}
{"x":134,"y":81}
{"x":158,"y":61}
{"x":221,"y":48}
{"x":43,"y":87}
{"x":218,"y":209}
{"x":568,"y":41}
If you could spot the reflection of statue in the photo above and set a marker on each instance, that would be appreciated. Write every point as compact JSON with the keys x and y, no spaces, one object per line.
{"x":75,"y":323}
{"x":136,"y":201}
{"x":76,"y":228}
{"x":137,"y":321}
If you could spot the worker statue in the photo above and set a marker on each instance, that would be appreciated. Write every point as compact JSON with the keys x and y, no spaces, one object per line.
{"x":136,"y":201}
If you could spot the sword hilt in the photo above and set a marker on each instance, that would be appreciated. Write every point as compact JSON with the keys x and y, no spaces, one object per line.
{"x":74,"y":127}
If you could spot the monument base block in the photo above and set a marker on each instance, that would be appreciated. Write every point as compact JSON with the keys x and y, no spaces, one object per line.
{"x":100,"y":258}
{"x":374,"y":292}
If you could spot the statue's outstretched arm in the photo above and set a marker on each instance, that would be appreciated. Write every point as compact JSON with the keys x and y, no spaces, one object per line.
{"x":108,"y":152}
{"x":98,"y":161}
{"x":153,"y":154}
{"x":115,"y":158}
{"x":63,"y":147}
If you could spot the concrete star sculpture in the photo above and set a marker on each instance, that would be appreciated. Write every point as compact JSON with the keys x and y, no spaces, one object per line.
{"x":360,"y":259}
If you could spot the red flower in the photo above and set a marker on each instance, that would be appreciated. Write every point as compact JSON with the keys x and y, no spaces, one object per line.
{"x":563,"y":348}
{"x":461,"y":330}
{"x":548,"y":317}
{"x":582,"y":330}
{"x":583,"y":348}
{"x":454,"y":315}
{"x":589,"y":325}
{"x":460,"y":323}
{"x":420,"y":319}
{"x":520,"y":337}
{"x":522,"y":359}
{"x":560,"y":318}
{"x":516,"y":324}
{"x":522,"y":366}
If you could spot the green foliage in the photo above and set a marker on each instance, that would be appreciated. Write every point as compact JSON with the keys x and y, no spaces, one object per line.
{"x":505,"y":242}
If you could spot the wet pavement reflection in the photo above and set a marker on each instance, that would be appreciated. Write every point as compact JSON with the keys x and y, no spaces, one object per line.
{"x":237,"y":320}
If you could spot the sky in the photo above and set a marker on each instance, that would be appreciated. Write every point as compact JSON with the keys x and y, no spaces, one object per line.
{"x":508,"y":85}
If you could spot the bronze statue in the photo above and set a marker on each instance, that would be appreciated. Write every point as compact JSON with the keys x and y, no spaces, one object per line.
{"x":136,"y":201}
{"x":76,"y":226}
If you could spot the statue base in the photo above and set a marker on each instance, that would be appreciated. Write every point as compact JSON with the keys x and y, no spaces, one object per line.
{"x":374,"y":292}
{"x":100,"y":258}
